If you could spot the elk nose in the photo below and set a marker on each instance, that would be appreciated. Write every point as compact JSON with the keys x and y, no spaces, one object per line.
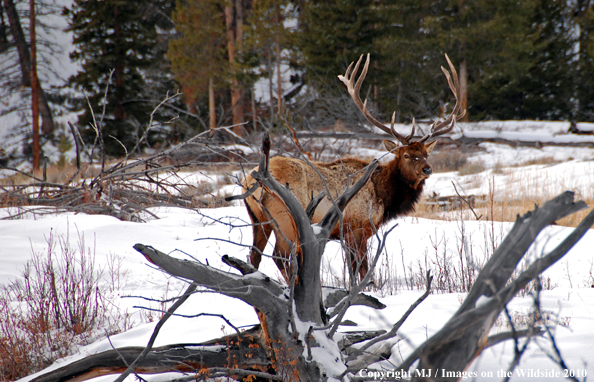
{"x":427,"y":171}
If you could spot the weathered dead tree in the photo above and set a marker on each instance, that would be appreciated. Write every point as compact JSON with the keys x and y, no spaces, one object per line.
{"x":303,"y":342}
{"x":299,"y":321}
{"x":246,"y":350}
{"x":466,"y":334}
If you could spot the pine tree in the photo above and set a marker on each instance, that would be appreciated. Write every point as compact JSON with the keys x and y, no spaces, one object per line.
{"x":584,"y":17}
{"x":234,"y":17}
{"x":546,"y":92}
{"x":488,"y":42}
{"x":332,"y":34}
{"x":198,"y":53}
{"x":265,"y":38}
{"x":335,"y":33}
{"x":412,"y":71}
{"x":115,"y":41}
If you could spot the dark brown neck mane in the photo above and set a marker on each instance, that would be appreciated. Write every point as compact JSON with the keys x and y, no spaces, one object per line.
{"x":397,"y":192}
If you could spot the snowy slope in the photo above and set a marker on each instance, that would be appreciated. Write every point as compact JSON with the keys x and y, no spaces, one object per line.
{"x":570,"y":302}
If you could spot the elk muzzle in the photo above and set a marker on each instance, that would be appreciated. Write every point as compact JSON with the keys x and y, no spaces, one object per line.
{"x":427,"y":170}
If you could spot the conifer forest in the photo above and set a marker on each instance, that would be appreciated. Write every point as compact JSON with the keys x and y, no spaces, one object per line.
{"x":185,"y":66}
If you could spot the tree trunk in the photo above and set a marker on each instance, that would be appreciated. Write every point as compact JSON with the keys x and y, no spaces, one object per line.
{"x":239,"y":25}
{"x":270,"y":86}
{"x":232,"y":41}
{"x":25,"y":60}
{"x":118,"y":69}
{"x":254,"y":116}
{"x":464,"y":89}
{"x":34,"y":90}
{"x":248,"y":349}
{"x":279,"y":84}
{"x":212,"y":120}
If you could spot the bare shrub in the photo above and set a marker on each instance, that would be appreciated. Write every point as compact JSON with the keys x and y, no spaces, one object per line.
{"x":57,"y":306}
{"x":542,"y":161}
{"x":209,"y":190}
{"x":589,"y":280}
{"x":446,"y":160}
{"x":472,"y":168}
{"x":523,"y":319}
{"x":123,"y":189}
{"x":498,"y":168}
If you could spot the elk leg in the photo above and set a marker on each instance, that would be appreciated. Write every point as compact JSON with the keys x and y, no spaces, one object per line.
{"x":356,"y":243}
{"x":261,"y":233}
{"x":362,"y":259}
{"x":282,"y":256}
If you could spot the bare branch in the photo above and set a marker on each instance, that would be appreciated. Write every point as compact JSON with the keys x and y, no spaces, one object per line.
{"x":260,"y":292}
{"x":191,"y":288}
{"x":394,"y":331}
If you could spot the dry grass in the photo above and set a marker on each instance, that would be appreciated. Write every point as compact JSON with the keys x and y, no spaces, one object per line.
{"x":54,"y":174}
{"x":472,"y":168}
{"x":548,"y":160}
{"x":503,"y":210}
{"x":523,"y":189}
{"x":447,"y":160}
{"x":504,"y":206}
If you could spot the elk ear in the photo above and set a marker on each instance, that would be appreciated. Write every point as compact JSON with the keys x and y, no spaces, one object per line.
{"x":429,"y":146}
{"x":390,"y":146}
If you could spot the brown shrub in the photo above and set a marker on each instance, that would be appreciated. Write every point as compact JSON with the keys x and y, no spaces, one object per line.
{"x":57,"y":306}
{"x":446,"y":160}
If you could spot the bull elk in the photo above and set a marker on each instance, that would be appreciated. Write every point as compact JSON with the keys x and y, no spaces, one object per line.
{"x":393,"y":189}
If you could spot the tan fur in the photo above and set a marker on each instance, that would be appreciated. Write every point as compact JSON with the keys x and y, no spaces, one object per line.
{"x":303,"y":181}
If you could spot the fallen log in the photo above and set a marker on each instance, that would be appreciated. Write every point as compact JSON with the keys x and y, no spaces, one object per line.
{"x":245,"y":351}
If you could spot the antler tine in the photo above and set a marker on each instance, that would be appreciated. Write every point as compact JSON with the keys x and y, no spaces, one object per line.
{"x":354,"y":89}
{"x":415,"y":126}
{"x":395,"y":134}
{"x":440,"y":128}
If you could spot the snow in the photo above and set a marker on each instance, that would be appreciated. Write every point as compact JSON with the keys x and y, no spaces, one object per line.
{"x":482,"y":300}
{"x":317,"y":229}
{"x":201,"y":235}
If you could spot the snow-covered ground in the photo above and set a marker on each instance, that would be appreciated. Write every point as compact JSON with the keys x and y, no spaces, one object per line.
{"x":204,"y":235}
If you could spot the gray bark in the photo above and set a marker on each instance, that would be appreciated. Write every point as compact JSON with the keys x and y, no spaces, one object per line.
{"x":288,"y":352}
{"x":176,"y":357}
{"x":466,"y":334}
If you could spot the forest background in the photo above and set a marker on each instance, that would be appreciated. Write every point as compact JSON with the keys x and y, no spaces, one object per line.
{"x":167,"y":69}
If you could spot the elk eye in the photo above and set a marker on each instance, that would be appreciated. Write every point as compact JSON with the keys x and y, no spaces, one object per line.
{"x":406,"y":156}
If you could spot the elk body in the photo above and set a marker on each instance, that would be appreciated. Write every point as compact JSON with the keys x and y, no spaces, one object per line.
{"x":392,"y":191}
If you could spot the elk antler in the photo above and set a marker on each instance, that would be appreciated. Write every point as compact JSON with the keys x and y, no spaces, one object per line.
{"x":437,"y":128}
{"x":354,"y":89}
{"x":440,"y":128}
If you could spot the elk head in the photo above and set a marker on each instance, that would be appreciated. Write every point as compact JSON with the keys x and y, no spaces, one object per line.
{"x":411,"y":158}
